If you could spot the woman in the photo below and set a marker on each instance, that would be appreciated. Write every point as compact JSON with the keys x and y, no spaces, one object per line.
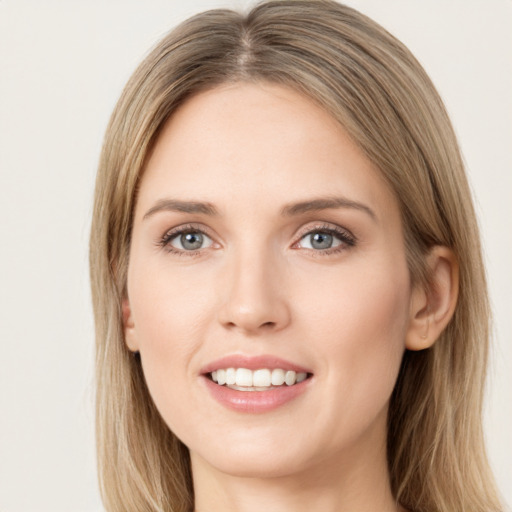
{"x":288,"y":287}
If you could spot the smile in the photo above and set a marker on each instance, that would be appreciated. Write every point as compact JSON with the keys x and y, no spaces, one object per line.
{"x":255,"y":384}
{"x":243,"y":379}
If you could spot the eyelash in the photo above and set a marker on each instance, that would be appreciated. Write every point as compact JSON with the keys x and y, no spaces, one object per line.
{"x":165,"y":241}
{"x":347,"y":239}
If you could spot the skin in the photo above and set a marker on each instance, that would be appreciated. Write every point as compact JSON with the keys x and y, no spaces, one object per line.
{"x":257,"y":286}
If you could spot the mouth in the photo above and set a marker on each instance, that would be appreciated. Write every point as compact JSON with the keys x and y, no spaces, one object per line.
{"x":263,"y":379}
{"x":255,"y":384}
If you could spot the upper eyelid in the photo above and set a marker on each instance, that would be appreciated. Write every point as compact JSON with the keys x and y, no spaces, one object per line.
{"x":192,"y":227}
{"x":325,"y":226}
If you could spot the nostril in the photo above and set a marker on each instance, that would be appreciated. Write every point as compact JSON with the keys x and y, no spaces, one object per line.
{"x":253,"y":316}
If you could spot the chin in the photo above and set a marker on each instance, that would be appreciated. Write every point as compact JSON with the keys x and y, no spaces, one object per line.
{"x":249,"y":455}
{"x":253,"y":464}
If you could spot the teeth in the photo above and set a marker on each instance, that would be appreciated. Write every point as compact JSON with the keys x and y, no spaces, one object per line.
{"x":230,"y":376}
{"x":277,"y":377}
{"x":301,"y":376}
{"x":251,"y":388}
{"x":243,"y":377}
{"x":221,"y":377}
{"x":290,"y":378}
{"x":259,"y":380}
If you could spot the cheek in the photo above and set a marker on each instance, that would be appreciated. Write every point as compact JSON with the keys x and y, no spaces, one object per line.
{"x":171,"y":318}
{"x":357,"y":322}
{"x":369,"y":301}
{"x":169,"y":307}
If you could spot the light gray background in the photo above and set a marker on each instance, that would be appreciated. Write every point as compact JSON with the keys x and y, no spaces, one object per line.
{"x":62,"y":66}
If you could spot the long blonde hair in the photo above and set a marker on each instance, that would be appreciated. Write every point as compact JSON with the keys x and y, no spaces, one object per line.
{"x":376,"y":89}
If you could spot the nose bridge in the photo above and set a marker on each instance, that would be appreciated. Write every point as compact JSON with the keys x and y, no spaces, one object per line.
{"x":254,"y":291}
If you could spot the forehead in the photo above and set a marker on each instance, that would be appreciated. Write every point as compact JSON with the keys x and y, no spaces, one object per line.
{"x":258,"y":145}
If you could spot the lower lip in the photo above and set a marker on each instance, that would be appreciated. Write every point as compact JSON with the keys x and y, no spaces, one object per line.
{"x":255,"y":401}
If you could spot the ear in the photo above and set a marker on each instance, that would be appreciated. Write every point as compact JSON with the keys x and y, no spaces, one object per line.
{"x":432,"y":307}
{"x":130,"y":336}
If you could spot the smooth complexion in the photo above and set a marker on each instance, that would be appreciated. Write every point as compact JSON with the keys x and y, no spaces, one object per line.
{"x":256,"y":176}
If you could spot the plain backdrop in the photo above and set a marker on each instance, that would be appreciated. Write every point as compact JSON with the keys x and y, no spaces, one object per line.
{"x":62,"y":66}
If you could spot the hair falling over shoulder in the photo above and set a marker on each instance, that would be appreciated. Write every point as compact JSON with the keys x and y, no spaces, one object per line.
{"x":371,"y":84}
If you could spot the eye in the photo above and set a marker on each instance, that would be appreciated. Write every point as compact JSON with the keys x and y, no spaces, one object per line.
{"x":326,"y":240}
{"x":186,"y":240}
{"x":191,"y":241}
{"x":320,"y":240}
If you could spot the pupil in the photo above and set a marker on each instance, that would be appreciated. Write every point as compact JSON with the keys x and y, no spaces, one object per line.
{"x":191,"y":240}
{"x":321,"y":240}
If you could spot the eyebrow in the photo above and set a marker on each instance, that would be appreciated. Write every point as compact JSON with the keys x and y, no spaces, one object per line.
{"x":326,"y":203}
{"x":289,"y":210}
{"x":174,"y":205}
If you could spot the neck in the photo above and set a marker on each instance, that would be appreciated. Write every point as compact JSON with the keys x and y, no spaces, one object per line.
{"x":355,"y":481}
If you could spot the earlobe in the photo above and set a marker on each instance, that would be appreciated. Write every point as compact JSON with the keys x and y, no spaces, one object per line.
{"x":432,"y":307}
{"x":129,"y":326}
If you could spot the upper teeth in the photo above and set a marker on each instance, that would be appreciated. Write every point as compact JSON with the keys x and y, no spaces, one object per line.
{"x":259,"y":378}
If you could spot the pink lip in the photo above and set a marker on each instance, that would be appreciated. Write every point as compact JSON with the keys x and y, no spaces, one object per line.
{"x":254,"y":401}
{"x":253,"y":363}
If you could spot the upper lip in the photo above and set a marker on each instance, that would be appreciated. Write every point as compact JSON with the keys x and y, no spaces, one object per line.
{"x":253,"y":363}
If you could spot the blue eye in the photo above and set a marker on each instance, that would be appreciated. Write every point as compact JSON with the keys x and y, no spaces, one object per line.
{"x":326,"y":239}
{"x":319,"y":240}
{"x":188,"y":241}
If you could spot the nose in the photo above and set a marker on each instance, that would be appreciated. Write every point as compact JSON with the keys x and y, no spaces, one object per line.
{"x":254,"y":295}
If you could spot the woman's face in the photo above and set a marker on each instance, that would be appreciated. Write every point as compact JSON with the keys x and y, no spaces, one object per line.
{"x":264,"y":239}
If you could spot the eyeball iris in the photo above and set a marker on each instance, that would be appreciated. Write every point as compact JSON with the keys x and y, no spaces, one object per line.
{"x":321,"y":240}
{"x":191,"y":241}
